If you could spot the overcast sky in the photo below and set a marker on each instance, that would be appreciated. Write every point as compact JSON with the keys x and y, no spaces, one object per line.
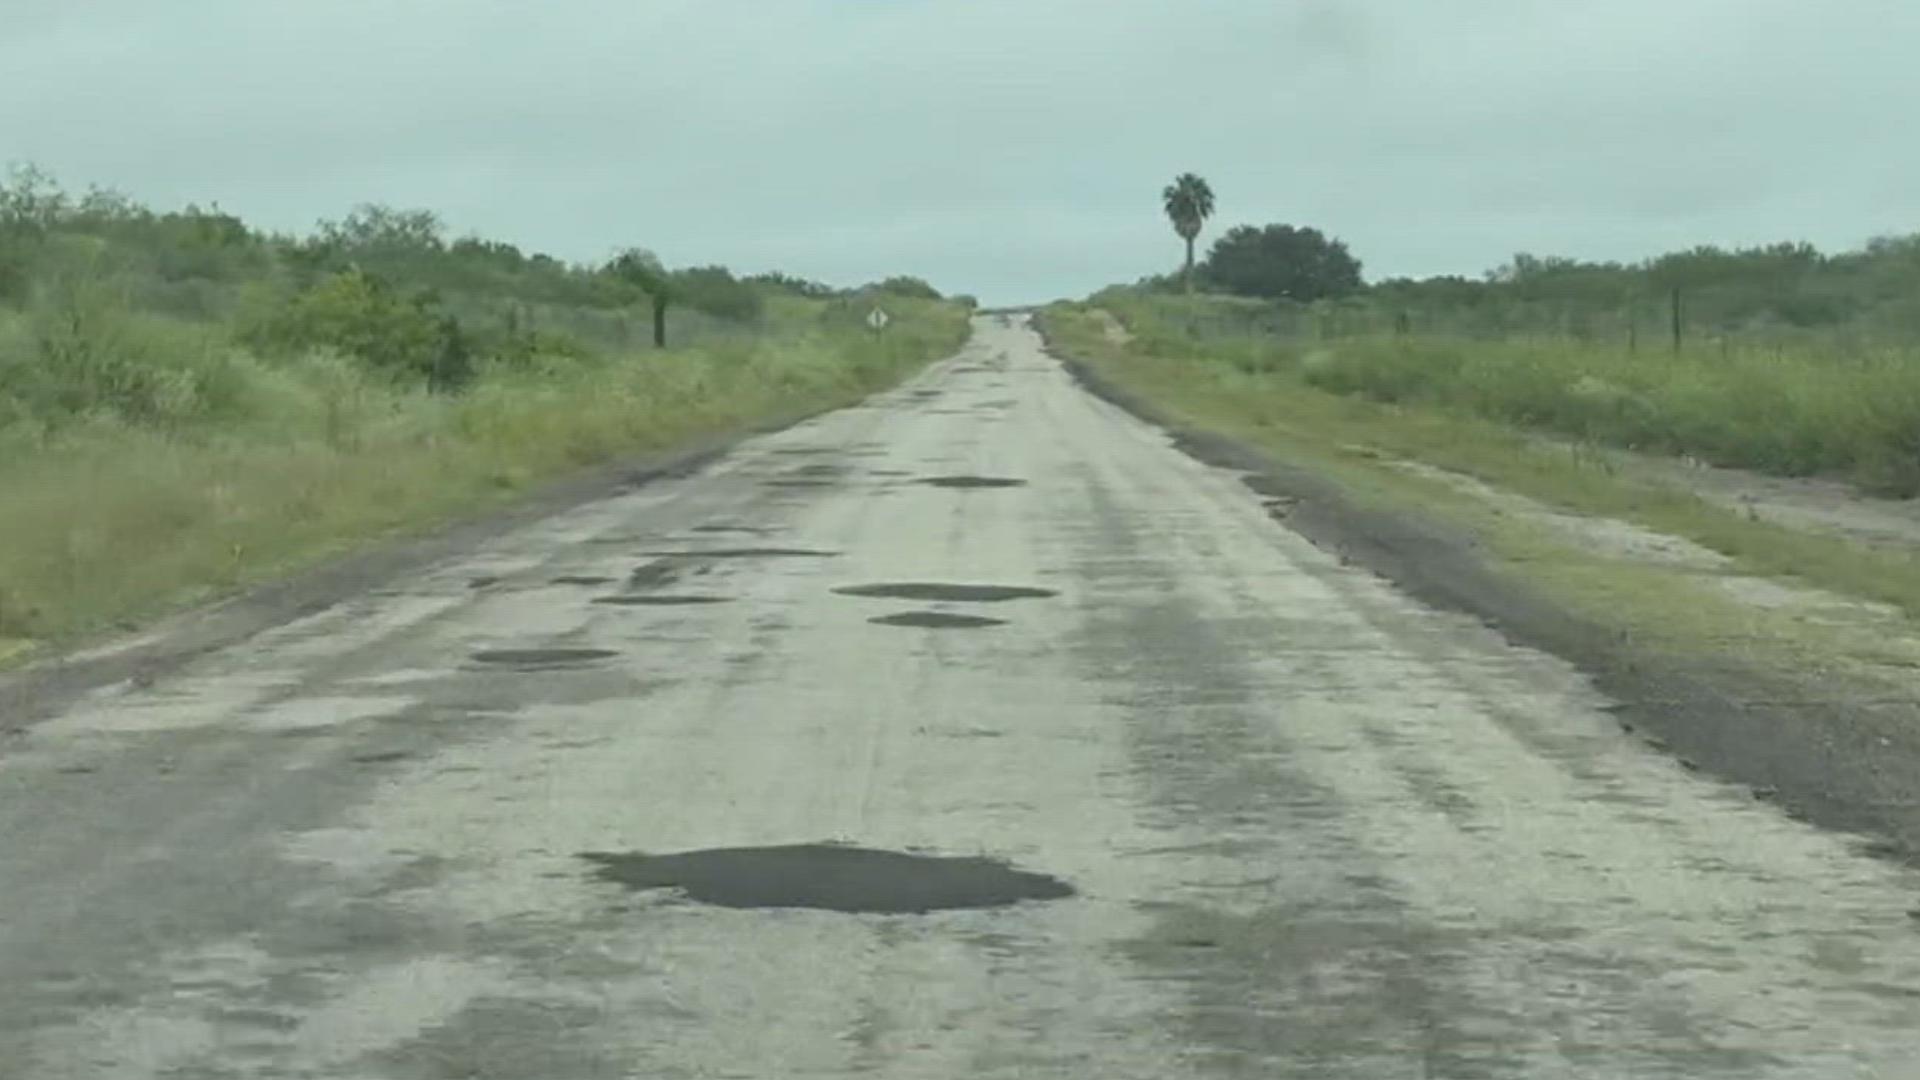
{"x":1010,"y":148}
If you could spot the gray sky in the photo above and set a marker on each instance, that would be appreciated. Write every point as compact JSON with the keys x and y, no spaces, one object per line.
{"x":1010,"y":148}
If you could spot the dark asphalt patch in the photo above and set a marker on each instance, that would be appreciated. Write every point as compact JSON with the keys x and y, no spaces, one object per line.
{"x":935,"y":590}
{"x":972,"y":482}
{"x":745,"y":553}
{"x":832,"y":877}
{"x":536,"y":658}
{"x":658,"y":601}
{"x":937,"y":620}
{"x":581,"y":579}
{"x":653,"y":573}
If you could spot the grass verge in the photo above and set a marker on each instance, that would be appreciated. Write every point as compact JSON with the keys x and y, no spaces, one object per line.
{"x":1356,"y":441}
{"x":106,"y":523}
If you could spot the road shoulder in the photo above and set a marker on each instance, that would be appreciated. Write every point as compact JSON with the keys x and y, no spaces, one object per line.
{"x":1824,"y":719}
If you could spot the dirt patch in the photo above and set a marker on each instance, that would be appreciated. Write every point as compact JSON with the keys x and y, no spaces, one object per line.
{"x":1809,"y":504}
{"x":1609,"y":537}
{"x":660,"y":601}
{"x":830,"y":877}
{"x":542,"y":658}
{"x":937,"y":620}
{"x":581,"y":579}
{"x":933,"y":590}
{"x":1112,"y":328}
{"x":969,"y":482}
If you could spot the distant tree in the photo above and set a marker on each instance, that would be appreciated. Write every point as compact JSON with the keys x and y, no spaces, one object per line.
{"x":904,"y":285}
{"x":642,"y":269}
{"x":1189,"y":203}
{"x":714,"y":290}
{"x":787,"y":283}
{"x":1282,"y":262}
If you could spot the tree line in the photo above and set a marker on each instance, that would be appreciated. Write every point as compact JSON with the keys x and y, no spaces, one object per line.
{"x":1782,"y":290}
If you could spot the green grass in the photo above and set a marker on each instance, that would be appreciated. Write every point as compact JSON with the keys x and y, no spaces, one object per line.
{"x":1792,"y":411}
{"x":107,"y":520}
{"x":1355,"y":439}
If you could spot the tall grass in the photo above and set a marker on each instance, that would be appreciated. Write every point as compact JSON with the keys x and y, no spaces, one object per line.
{"x":1799,"y":410}
{"x":106,"y":516}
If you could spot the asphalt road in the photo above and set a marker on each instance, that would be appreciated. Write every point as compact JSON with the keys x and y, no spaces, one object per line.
{"x":681,"y":784}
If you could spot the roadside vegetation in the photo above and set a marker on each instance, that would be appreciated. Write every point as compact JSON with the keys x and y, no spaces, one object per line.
{"x":188,"y":404}
{"x":1780,"y":359}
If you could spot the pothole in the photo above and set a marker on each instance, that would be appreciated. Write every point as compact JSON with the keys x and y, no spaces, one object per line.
{"x":831,"y":877}
{"x":659,"y":601}
{"x":937,"y":620}
{"x":538,"y":658}
{"x":581,"y":579}
{"x":972,"y":482}
{"x":745,"y":553}
{"x":935,"y":590}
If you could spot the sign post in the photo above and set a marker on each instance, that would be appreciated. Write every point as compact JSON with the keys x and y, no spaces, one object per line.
{"x":878,"y":320}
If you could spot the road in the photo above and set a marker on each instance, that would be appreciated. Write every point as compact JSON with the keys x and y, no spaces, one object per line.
{"x":679,"y":783}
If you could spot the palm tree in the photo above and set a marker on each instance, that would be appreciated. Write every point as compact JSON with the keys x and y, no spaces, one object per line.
{"x":1189,"y":203}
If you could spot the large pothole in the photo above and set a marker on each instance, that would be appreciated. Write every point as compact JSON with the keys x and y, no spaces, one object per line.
{"x":832,"y":877}
{"x":972,"y":482}
{"x":938,"y":590}
{"x":542,"y":658}
{"x":937,"y":620}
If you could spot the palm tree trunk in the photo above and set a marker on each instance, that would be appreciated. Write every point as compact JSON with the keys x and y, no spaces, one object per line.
{"x":1186,"y":275}
{"x":659,"y":322}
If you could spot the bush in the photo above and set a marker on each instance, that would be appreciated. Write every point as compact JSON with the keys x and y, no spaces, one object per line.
{"x":403,"y":337}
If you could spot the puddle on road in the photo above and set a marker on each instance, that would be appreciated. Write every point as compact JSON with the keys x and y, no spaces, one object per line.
{"x":482,"y":582}
{"x":935,"y":590}
{"x":972,"y":482}
{"x":659,"y":601}
{"x":831,"y":877}
{"x":802,"y":482}
{"x":542,"y":658}
{"x":936,"y":620}
{"x":582,"y":579}
{"x":723,"y":528}
{"x":381,"y":758}
{"x":889,"y":472}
